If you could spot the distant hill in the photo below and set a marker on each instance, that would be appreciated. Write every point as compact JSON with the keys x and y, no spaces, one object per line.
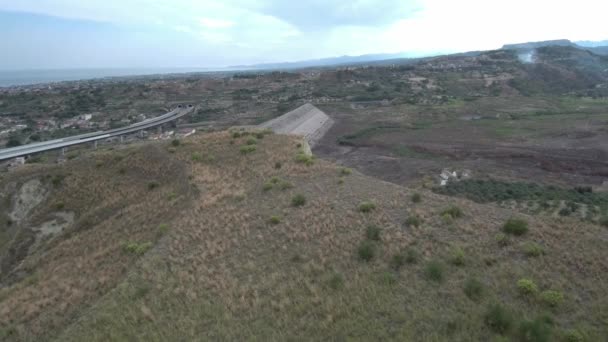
{"x":535,"y":45}
{"x":589,"y":43}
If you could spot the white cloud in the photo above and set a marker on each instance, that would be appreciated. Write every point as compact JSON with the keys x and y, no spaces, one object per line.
{"x":215,"y":23}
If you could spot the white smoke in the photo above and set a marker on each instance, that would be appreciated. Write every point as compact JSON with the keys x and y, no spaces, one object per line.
{"x":527,"y":57}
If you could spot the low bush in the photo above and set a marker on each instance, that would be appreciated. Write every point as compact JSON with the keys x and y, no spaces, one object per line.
{"x":372,"y":233}
{"x":345,"y":171}
{"x":413,"y":221}
{"x":305,"y":159}
{"x":251,"y":141}
{"x":454,"y":211}
{"x":458,"y":258}
{"x":502,"y":239}
{"x":284,"y":185}
{"x":434,"y":271}
{"x":515,"y":227}
{"x":604,"y":221}
{"x":59,"y":205}
{"x":366,"y":251}
{"x":411,"y":256}
{"x":267,"y":186}
{"x":163,"y":229}
{"x":527,"y":287}
{"x":538,"y":330}
{"x":336,"y":281}
{"x":175,"y":142}
{"x":473,"y":289}
{"x":552,"y":298}
{"x":236,"y":135}
{"x":298,"y":200}
{"x":247,"y":149}
{"x":137,"y":248}
{"x":278,"y":165}
{"x":153,"y":185}
{"x":573,"y":335}
{"x":416,"y":198}
{"x":498,"y":319}
{"x":274,"y":220}
{"x":367,"y":206}
{"x":532,"y":249}
{"x":397,"y":261}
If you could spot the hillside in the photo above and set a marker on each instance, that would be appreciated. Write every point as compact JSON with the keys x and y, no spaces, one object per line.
{"x":242,"y":236}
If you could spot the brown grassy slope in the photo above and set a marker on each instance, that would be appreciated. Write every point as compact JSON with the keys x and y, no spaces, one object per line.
{"x":109,"y":194}
{"x":225,"y":272}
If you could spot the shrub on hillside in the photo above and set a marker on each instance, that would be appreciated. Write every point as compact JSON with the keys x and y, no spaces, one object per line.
{"x":498,"y":319}
{"x":175,"y":142}
{"x":345,"y":171}
{"x":552,"y":298}
{"x":458,"y":257}
{"x":573,"y":335}
{"x":336,"y":281}
{"x":247,"y":149}
{"x":413,"y":221}
{"x":604,"y":221}
{"x":305,"y":159}
{"x":372,"y":233}
{"x":367,"y":206}
{"x":366,"y":251}
{"x":251,"y":141}
{"x":397,"y":261}
{"x":527,"y":286}
{"x":411,"y":256}
{"x":538,"y":330}
{"x":416,"y":198}
{"x":473,"y":289}
{"x":153,"y":185}
{"x":515,"y":227}
{"x":298,"y":200}
{"x":137,"y":248}
{"x":434,"y":271}
{"x":274,"y":220}
{"x":502,"y":239}
{"x":453,"y":211}
{"x":532,"y":249}
{"x":278,"y":165}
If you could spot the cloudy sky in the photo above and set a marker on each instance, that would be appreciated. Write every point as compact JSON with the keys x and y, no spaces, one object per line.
{"x":214,"y":33}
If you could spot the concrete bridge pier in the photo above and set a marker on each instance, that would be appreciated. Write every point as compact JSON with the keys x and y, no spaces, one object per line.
{"x":122,"y":139}
{"x":95,"y":144}
{"x":63,"y":150}
{"x":141,"y":134}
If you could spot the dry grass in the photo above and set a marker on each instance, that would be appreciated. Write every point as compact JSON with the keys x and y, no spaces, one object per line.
{"x":223,"y":273}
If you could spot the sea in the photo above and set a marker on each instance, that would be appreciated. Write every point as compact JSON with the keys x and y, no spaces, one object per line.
{"x":10,"y":78}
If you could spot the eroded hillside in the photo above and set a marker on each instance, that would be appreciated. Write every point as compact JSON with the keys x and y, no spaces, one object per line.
{"x":241,"y":236}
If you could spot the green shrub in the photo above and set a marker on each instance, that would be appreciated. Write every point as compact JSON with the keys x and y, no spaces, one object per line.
{"x":416,"y":198}
{"x":502,"y":239}
{"x":153,"y":185}
{"x":434,"y":271}
{"x":274,"y":220}
{"x":163,"y":229}
{"x":552,"y":298}
{"x":538,"y":330}
{"x":345,"y":171}
{"x":267,"y":186}
{"x":236,"y":135}
{"x":275,"y":180}
{"x":305,"y":159}
{"x":498,"y":319}
{"x":372,"y":233}
{"x":251,"y":141}
{"x":573,"y":335}
{"x":413,"y":221}
{"x":336,"y":281}
{"x":57,"y":180}
{"x":527,"y":286}
{"x":397,"y":261}
{"x":366,"y":251}
{"x":259,"y":135}
{"x":458,"y":257}
{"x":473,"y":289}
{"x":59,"y":205}
{"x":137,"y":248}
{"x":515,"y":227}
{"x":367,"y":206}
{"x":247,"y":149}
{"x":388,"y":278}
{"x":532,"y":249}
{"x":454,"y":211}
{"x":175,"y":142}
{"x":122,"y":171}
{"x":604,"y":221}
{"x":285,"y":185}
{"x":298,"y":200}
{"x":411,"y":256}
{"x":447,"y":218}
{"x":278,"y":165}
{"x":196,"y":157}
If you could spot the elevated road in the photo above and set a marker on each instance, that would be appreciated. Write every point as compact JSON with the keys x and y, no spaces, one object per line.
{"x":20,"y":151}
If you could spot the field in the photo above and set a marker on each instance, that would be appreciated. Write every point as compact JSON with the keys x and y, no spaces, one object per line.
{"x":262,"y":244}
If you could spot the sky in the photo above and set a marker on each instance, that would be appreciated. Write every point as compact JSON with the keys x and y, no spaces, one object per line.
{"x":58,"y":34}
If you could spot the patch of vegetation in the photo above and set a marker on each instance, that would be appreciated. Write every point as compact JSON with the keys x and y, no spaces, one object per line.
{"x":458,"y":257}
{"x":298,"y":200}
{"x":163,"y":229}
{"x":274,"y":220}
{"x":416,"y":198}
{"x":175,"y":142}
{"x":532,"y":249}
{"x":498,"y":319}
{"x":137,"y":248}
{"x":413,"y":221}
{"x":366,"y":251}
{"x":372,"y":233}
{"x":515,"y":226}
{"x":397,"y":261}
{"x":367,"y":206}
{"x":502,"y":239}
{"x":336,"y":281}
{"x":538,"y":330}
{"x":527,"y":287}
{"x":267,"y":186}
{"x":345,"y":171}
{"x":278,"y":165}
{"x":247,"y":149}
{"x":453,"y":211}
{"x":473,"y":289}
{"x":251,"y":141}
{"x":305,"y":159}
{"x":153,"y":185}
{"x":552,"y":298}
{"x":573,"y":335}
{"x":434,"y":271}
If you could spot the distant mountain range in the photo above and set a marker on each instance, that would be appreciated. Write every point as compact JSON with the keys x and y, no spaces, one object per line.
{"x":599,"y":47}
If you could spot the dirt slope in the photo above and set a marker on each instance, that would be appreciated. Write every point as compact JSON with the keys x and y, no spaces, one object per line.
{"x":208,"y":240}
